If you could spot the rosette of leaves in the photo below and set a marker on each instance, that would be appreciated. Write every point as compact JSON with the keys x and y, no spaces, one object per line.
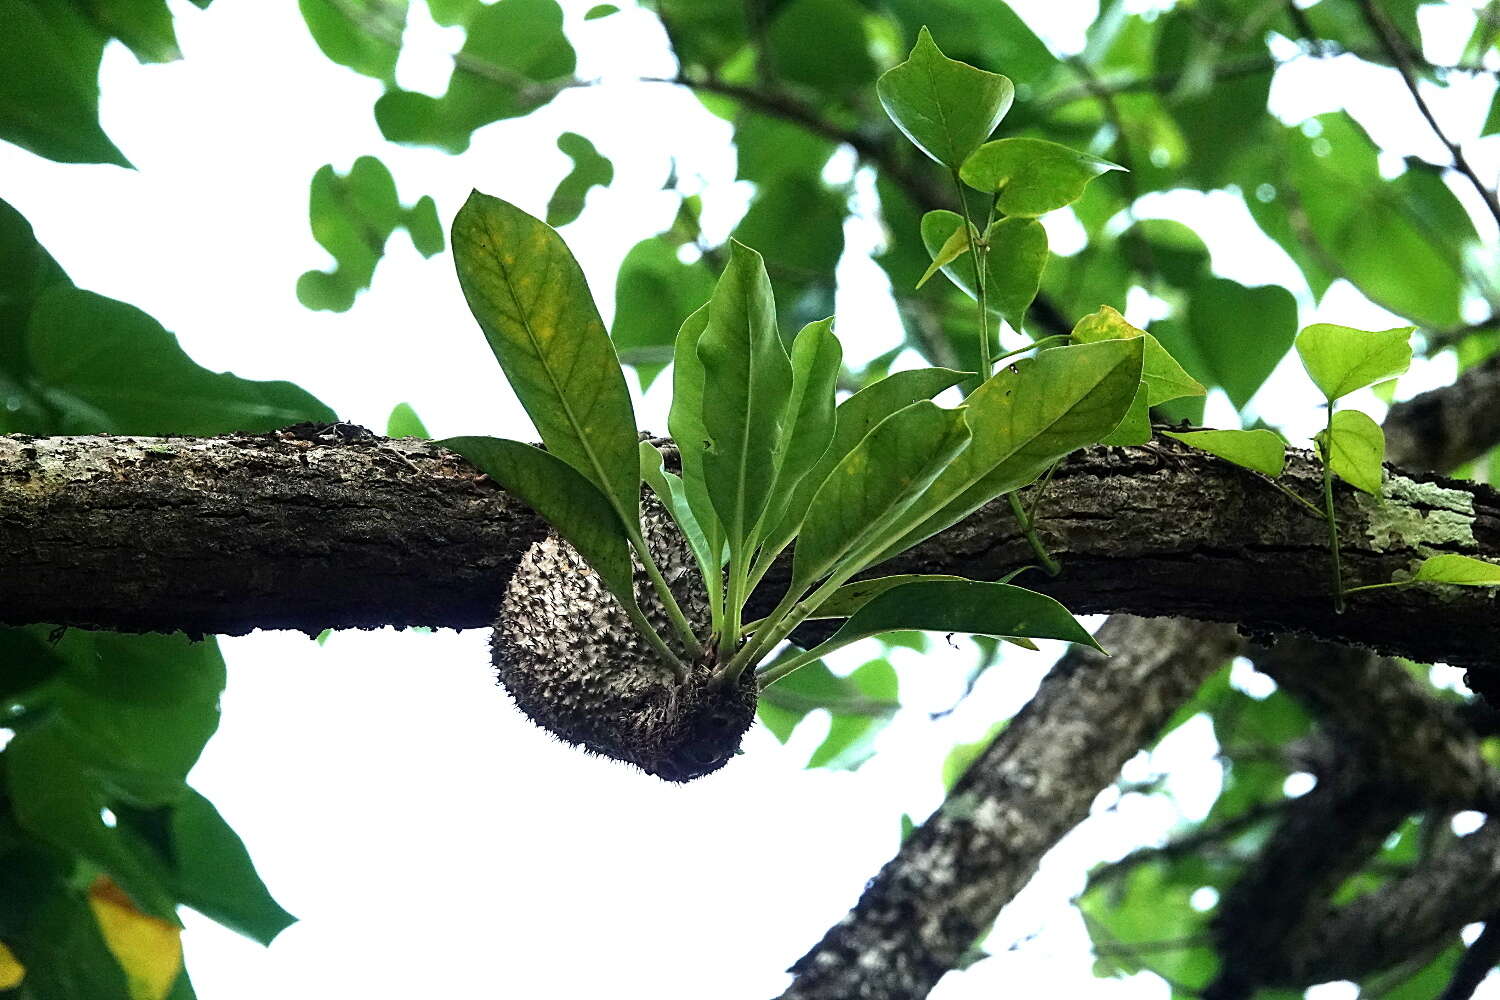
{"x":627,"y":632}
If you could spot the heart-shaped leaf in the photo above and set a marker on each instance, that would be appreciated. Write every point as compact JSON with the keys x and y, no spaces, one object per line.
{"x":1162,"y":376}
{"x":1013,"y":264}
{"x":1355,"y":450}
{"x":1260,"y":449}
{"x":533,"y":304}
{"x":1456,"y":569}
{"x":1032,"y":176}
{"x":945,"y":107}
{"x":1341,"y":359}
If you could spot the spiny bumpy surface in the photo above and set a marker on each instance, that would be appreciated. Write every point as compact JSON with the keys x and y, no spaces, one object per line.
{"x":575,"y":665}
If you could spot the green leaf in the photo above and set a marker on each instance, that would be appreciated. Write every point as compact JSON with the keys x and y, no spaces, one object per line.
{"x":513,"y":58}
{"x":1341,"y":359}
{"x":952,"y":248}
{"x":685,"y":420}
{"x":1162,"y":376}
{"x":1013,"y":266}
{"x":963,"y":756}
{"x":214,"y":875}
{"x":571,"y":504}
{"x":670,"y":491}
{"x":999,"y":609}
{"x":49,"y":93}
{"x":110,"y":368}
{"x":1026,"y":417}
{"x":51,"y":929}
{"x":145,"y":26}
{"x":57,"y":798}
{"x":852,"y":596}
{"x":851,"y":735}
{"x":1462,"y":570}
{"x":654,"y":293}
{"x":1355,"y":450}
{"x":589,"y":170}
{"x":867,"y":497}
{"x":1135,"y":427}
{"x":854,"y":418}
{"x":1261,"y":450}
{"x":1239,"y":333}
{"x":600,"y":10}
{"x":353,"y":217}
{"x":821,"y":44}
{"x":364,"y":35}
{"x":530,"y":298}
{"x":1032,"y":176}
{"x":817,"y":358}
{"x":747,"y":381}
{"x":404,"y":422}
{"x":1492,"y":123}
{"x":869,"y":694}
{"x":946,"y":108}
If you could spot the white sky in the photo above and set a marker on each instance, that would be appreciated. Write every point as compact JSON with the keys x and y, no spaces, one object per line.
{"x":432,"y":841}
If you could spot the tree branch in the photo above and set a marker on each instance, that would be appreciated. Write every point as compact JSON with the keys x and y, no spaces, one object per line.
{"x":1033,"y":784}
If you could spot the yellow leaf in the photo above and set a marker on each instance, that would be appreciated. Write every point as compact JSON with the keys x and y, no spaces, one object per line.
{"x":148,"y":950}
{"x":11,"y":970}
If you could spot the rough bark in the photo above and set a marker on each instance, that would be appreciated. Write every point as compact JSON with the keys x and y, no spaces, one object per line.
{"x":282,"y":531}
{"x":1032,"y":785}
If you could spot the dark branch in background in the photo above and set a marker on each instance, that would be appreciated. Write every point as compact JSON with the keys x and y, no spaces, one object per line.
{"x":1400,"y":54}
{"x":1032,"y":785}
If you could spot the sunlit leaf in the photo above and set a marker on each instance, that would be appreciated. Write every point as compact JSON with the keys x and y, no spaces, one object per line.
{"x":533,"y":304}
{"x":1032,"y":176}
{"x":1355,"y":450}
{"x":1162,"y":376}
{"x":149,"y":950}
{"x":404,"y":422}
{"x":1456,"y":569}
{"x":947,"y":108}
{"x":1341,"y":359}
{"x":1260,"y":449}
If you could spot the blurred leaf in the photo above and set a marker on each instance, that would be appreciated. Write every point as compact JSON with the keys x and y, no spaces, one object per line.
{"x":600,"y":10}
{"x":860,"y":705}
{"x":851,"y":736}
{"x":1032,"y":176}
{"x":1355,"y":450}
{"x":1361,"y":223}
{"x":768,"y":147}
{"x":1341,"y":359}
{"x":1453,"y":568}
{"x":145,"y":26}
{"x":988,"y":34}
{"x":945,"y":107}
{"x":797,"y":223}
{"x":49,"y":926}
{"x":49,"y":93}
{"x":1261,"y":450}
{"x":875,"y":493}
{"x":654,"y":292}
{"x":963,"y":756}
{"x":747,"y":382}
{"x":404,"y":422}
{"x":1239,"y":334}
{"x":11,"y":970}
{"x":1492,"y":123}
{"x":149,"y":950}
{"x":533,"y":304}
{"x":821,"y":44}
{"x":110,"y":368}
{"x":364,"y":35}
{"x":352,"y":217}
{"x":511,"y":54}
{"x":573,"y":505}
{"x":1147,"y":910}
{"x":589,"y":169}
{"x":215,"y":876}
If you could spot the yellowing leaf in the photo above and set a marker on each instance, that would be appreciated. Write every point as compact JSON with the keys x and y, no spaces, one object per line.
{"x":954,"y":247}
{"x":149,"y":950}
{"x":1162,"y":376}
{"x":11,"y":970}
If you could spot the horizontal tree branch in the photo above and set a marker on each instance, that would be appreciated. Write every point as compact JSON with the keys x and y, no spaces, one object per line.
{"x":350,"y":530}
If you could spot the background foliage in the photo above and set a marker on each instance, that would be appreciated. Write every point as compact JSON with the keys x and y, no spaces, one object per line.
{"x":107,"y":726}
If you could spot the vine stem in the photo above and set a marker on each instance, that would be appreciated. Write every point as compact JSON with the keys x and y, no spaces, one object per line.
{"x":986,"y":360}
{"x":1325,"y":451}
{"x":1028,"y":527}
{"x":668,"y":600}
